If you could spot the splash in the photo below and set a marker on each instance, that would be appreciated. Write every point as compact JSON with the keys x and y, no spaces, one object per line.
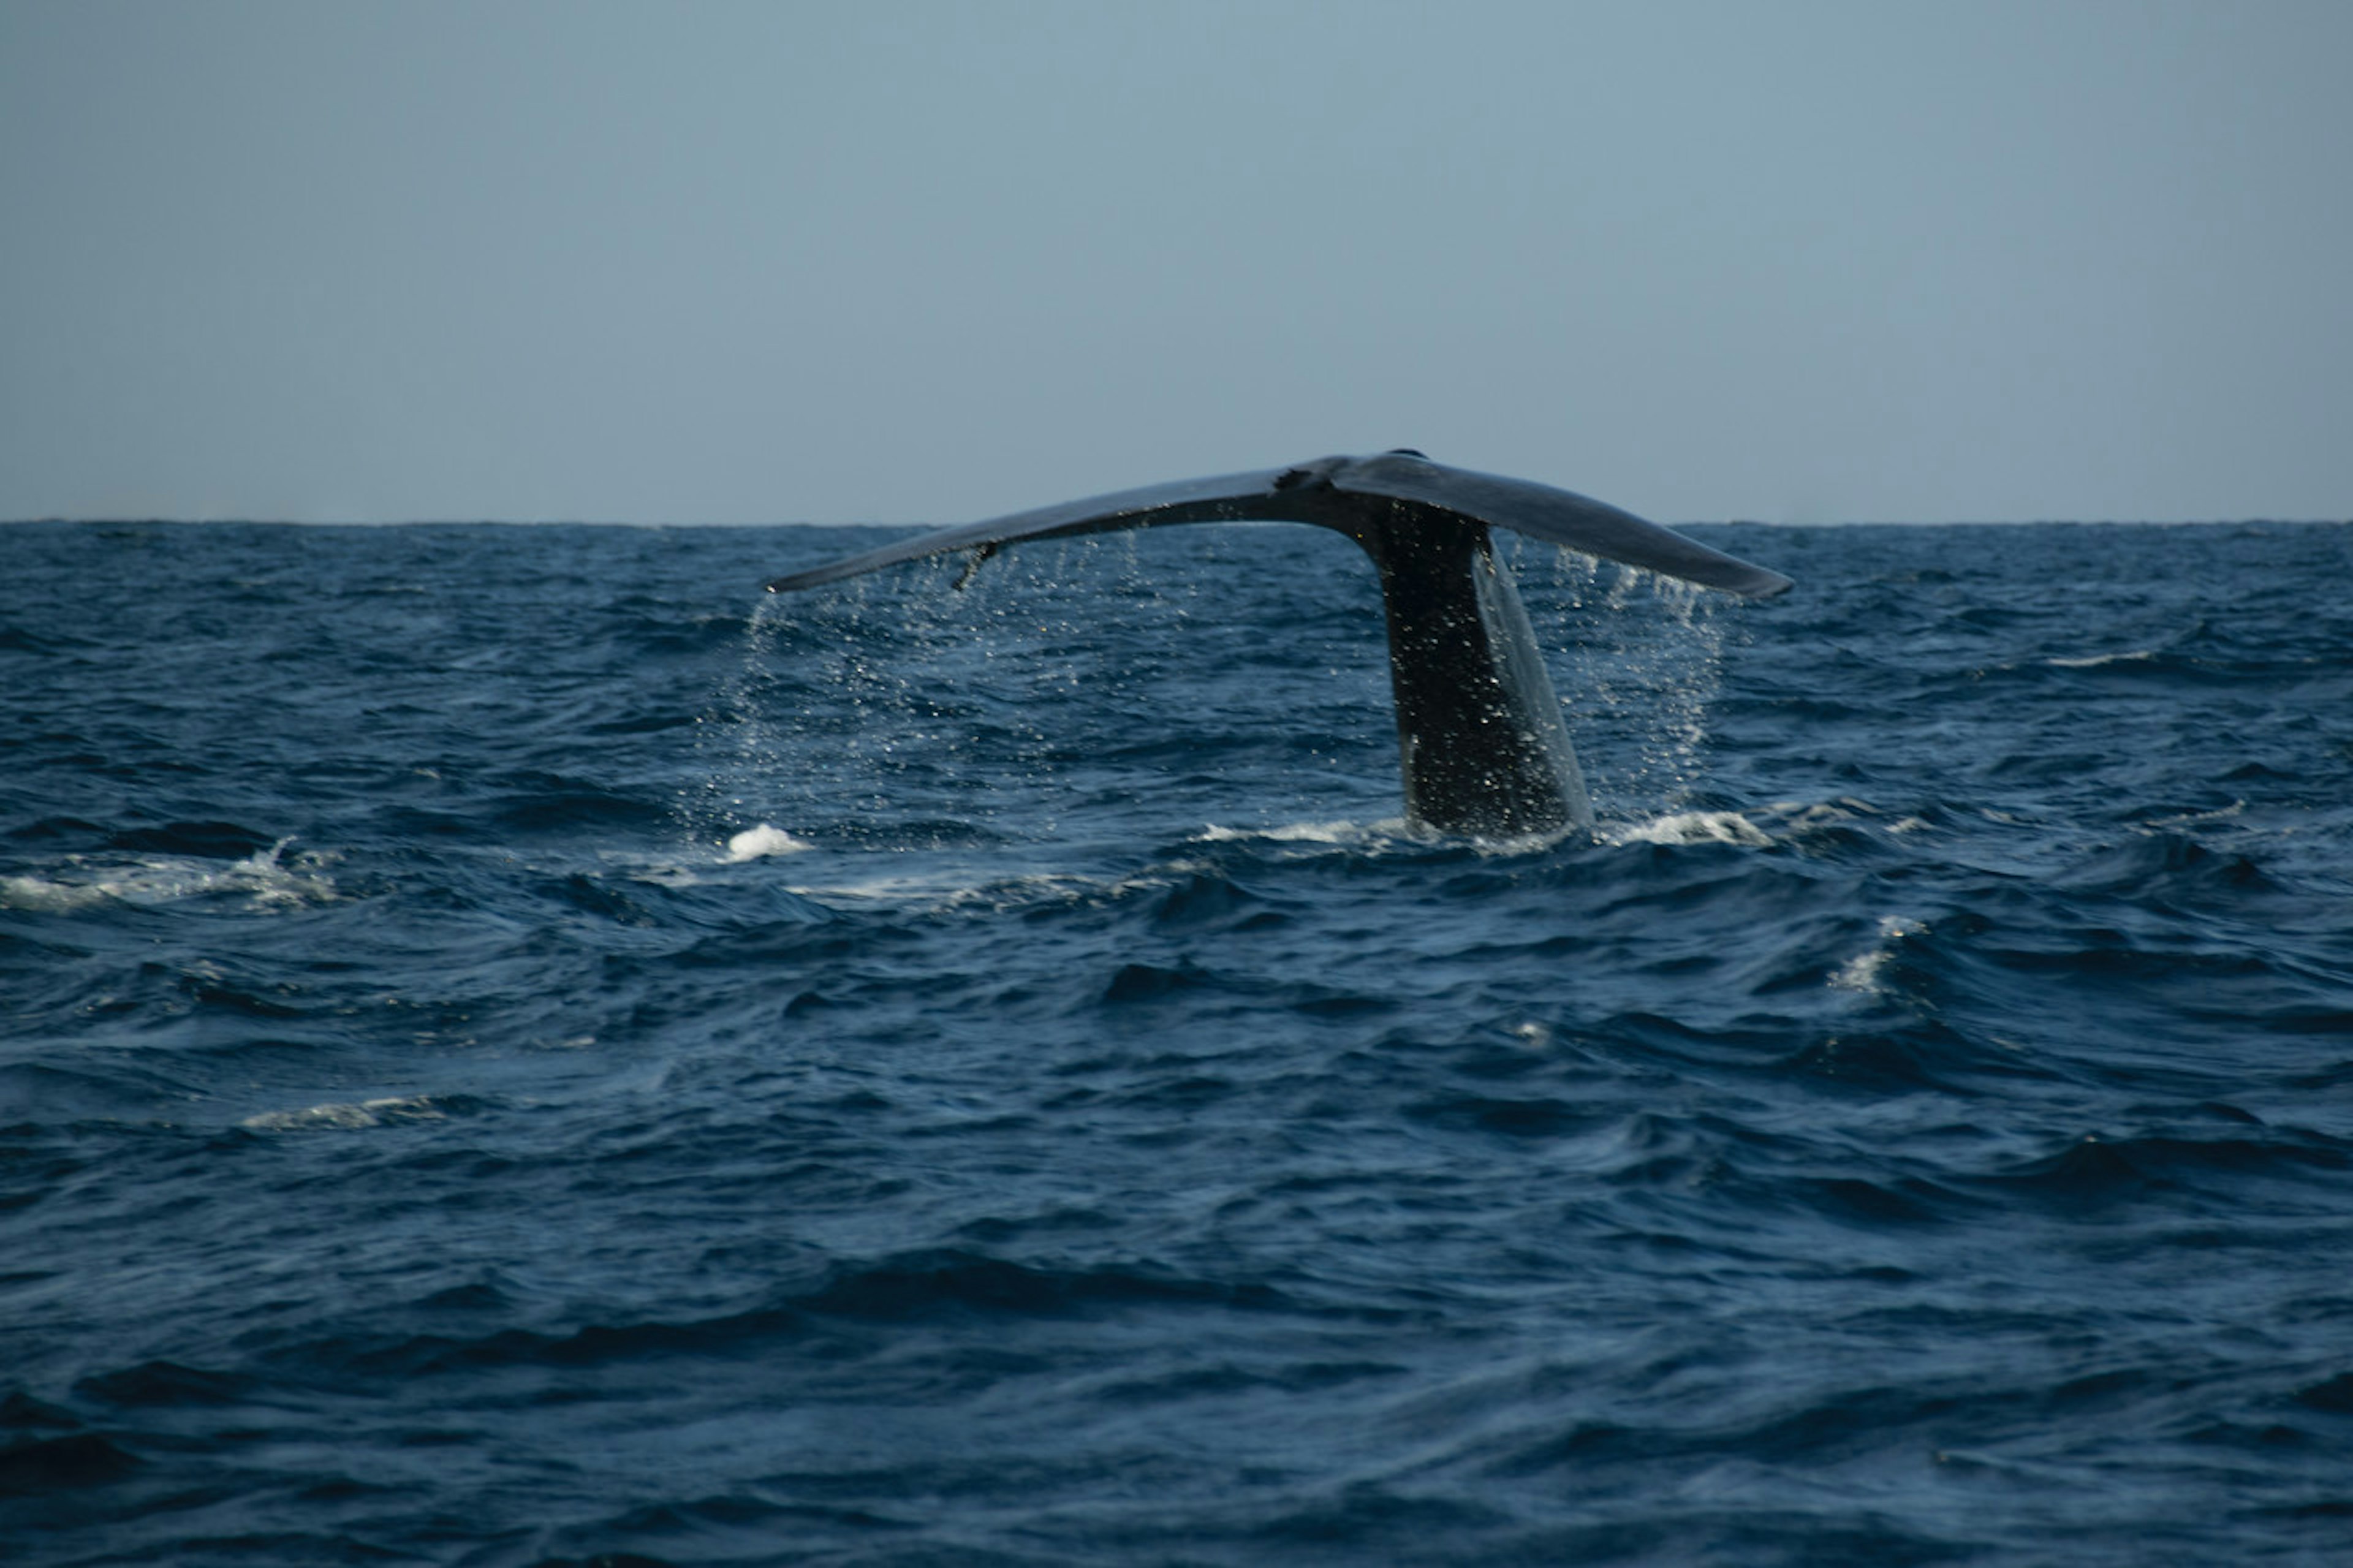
{"x":1643,"y":656}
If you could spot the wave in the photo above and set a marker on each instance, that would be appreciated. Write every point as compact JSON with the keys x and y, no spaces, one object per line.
{"x":519,"y":1050}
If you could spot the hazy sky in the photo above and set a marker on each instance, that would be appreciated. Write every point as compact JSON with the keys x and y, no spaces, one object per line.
{"x":882,"y":262}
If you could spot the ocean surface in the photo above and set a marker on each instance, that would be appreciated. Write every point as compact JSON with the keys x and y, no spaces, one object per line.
{"x":518,"y":1048}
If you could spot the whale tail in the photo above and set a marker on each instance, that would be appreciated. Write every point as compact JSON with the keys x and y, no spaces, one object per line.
{"x":1480,"y":738}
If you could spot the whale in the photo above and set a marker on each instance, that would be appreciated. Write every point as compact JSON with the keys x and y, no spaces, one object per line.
{"x":1483,"y":747}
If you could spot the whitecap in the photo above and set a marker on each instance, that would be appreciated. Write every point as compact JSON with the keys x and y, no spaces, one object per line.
{"x":346,"y":1116}
{"x":1860,"y":973}
{"x":757,"y":843}
{"x":46,"y":896}
{"x":1694,"y":827}
{"x":264,"y":878}
{"x":1337,"y":832}
{"x":951,"y":889}
{"x":2095,"y":660}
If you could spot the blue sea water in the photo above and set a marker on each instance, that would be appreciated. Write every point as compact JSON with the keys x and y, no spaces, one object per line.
{"x":516,"y":1048}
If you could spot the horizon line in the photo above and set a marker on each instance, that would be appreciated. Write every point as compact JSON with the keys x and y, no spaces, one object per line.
{"x":128,"y":521}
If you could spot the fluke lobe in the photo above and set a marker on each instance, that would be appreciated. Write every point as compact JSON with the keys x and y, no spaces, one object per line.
{"x":1479,"y":730}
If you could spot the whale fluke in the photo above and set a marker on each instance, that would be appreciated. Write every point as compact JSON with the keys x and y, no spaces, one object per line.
{"x":1480,"y":736}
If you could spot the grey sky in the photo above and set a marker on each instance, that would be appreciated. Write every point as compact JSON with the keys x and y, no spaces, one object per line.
{"x":919,"y":262}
